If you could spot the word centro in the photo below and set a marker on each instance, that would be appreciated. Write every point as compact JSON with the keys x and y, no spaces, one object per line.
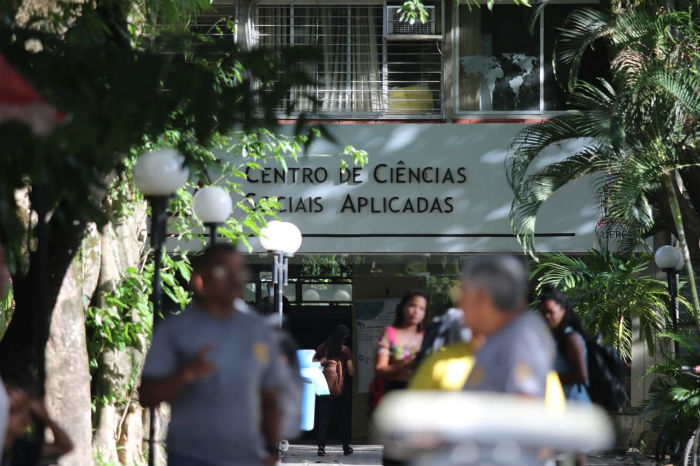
{"x":366,"y":205}
{"x":382,"y":173}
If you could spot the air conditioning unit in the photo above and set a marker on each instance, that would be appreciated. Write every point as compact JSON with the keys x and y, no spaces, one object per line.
{"x":397,"y":28}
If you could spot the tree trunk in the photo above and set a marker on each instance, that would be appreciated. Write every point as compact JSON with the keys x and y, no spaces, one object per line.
{"x":67,"y":368}
{"x":117,"y":436}
{"x":678,"y":220}
{"x":22,"y":349}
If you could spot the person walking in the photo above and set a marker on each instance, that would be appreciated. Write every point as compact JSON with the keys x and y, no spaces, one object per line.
{"x":395,"y":360}
{"x":336,"y":359}
{"x":216,"y":364}
{"x":571,"y":362}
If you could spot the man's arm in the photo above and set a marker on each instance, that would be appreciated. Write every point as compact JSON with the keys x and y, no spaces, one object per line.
{"x":271,"y":420}
{"x":61,"y":441}
{"x":156,"y":390}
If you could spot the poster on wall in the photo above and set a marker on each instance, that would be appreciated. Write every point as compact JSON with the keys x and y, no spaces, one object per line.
{"x":372,"y":317}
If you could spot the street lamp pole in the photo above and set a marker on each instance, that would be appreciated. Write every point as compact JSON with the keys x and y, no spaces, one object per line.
{"x":282,"y":240}
{"x":212,"y":205}
{"x":670,"y":260}
{"x":158,"y":174}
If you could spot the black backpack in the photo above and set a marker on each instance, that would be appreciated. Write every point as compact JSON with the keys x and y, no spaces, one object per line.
{"x":606,"y":377}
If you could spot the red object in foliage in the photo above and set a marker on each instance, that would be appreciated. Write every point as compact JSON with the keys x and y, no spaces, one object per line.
{"x":21,"y":102}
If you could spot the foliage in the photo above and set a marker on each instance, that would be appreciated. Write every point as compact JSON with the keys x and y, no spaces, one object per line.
{"x":608,"y":291}
{"x":6,"y":307}
{"x":637,"y":131}
{"x":124,"y":320}
{"x":441,"y":293}
{"x":674,"y":396}
{"x":414,"y":10}
{"x":127,"y":74}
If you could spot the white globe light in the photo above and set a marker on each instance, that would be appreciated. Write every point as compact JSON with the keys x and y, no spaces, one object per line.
{"x":270,"y":236}
{"x":281,"y":236}
{"x":681,"y":261}
{"x":342,"y":295}
{"x":212,"y":205}
{"x":666,"y":257}
{"x":160,"y":172}
{"x":292,"y":241}
{"x":310,"y":295}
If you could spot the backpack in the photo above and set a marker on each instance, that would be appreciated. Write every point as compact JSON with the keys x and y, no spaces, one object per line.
{"x":606,"y":377}
{"x":333,"y":372}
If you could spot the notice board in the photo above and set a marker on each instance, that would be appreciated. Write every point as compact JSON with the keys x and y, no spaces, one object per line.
{"x":372,"y":316}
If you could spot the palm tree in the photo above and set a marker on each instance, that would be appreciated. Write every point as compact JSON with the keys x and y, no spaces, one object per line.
{"x":608,"y":291}
{"x":638,"y":130}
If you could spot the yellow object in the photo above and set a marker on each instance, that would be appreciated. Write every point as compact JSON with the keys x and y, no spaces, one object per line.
{"x":260,"y":351}
{"x":411,"y":99}
{"x":449,"y":367}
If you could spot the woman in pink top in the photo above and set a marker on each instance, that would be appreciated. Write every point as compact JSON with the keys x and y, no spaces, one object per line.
{"x":400,"y":343}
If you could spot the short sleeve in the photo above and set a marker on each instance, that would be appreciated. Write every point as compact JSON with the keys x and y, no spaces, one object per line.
{"x":527,"y":378}
{"x":384,"y":345}
{"x":529,"y":369}
{"x":272,"y":370}
{"x":162,"y":359}
{"x":319,"y":352}
{"x":347,"y":354}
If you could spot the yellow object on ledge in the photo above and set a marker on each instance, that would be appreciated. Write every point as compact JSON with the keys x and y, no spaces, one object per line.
{"x":411,"y":99}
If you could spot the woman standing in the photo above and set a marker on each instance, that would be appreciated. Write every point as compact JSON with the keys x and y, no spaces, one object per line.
{"x":571,"y":362}
{"x":396,"y":355}
{"x":336,"y":359}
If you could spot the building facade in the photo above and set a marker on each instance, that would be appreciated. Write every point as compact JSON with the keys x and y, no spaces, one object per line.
{"x":436,"y":106}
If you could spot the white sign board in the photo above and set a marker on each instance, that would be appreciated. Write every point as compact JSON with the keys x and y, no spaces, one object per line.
{"x":426,"y":188}
{"x":372,"y":316}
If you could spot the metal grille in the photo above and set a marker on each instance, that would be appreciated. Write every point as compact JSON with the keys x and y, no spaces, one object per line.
{"x":217,"y":22}
{"x":360,"y":72}
{"x":398,"y":27}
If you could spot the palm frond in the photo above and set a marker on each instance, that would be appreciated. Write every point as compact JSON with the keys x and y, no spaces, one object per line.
{"x":581,"y":29}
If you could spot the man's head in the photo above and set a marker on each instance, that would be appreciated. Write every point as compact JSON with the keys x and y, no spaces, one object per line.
{"x":218,"y":275}
{"x":494,"y":291}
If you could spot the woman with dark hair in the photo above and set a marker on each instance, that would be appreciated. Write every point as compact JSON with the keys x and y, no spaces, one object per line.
{"x":395,"y":360}
{"x":571,"y":362}
{"x":336,"y":359}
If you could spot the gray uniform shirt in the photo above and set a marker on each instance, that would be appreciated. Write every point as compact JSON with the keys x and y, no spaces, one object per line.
{"x":217,"y":419}
{"x":516,"y":359}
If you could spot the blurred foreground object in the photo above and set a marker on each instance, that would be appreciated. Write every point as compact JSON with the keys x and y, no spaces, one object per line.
{"x":477,"y":429}
{"x":21,"y":102}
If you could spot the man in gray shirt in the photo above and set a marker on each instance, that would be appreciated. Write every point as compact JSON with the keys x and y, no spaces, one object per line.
{"x":518,"y":352}
{"x":217,"y":366}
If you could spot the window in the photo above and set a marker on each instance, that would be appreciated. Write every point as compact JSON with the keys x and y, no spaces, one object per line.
{"x":593,"y":65}
{"x":363,"y":71}
{"x":504,"y":67}
{"x":498,"y":60}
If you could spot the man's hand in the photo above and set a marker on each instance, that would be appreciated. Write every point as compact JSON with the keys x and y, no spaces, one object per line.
{"x":154,"y":391}
{"x":199,"y":367}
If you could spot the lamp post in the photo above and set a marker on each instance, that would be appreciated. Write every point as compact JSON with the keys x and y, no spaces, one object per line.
{"x":670,"y":260}
{"x":212,"y":205}
{"x":282,"y":239}
{"x":158,"y":174}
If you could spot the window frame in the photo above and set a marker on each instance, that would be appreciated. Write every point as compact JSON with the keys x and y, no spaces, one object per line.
{"x":439,"y":114}
{"x":504,"y":114}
